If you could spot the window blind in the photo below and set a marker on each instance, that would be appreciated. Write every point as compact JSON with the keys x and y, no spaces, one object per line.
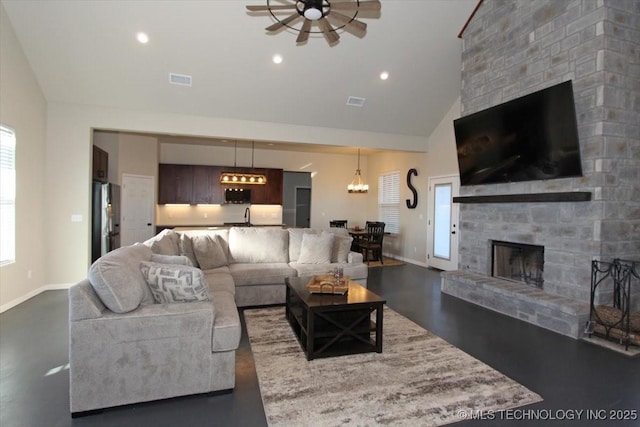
{"x":7,"y":195}
{"x":389,"y":201}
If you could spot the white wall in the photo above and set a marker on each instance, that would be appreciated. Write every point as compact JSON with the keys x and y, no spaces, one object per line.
{"x":23,"y":108}
{"x":442,"y":158}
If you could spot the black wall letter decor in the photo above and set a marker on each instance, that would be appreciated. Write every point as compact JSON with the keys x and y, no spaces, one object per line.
{"x":410,"y":204}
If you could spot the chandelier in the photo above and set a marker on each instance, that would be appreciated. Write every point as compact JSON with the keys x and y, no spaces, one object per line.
{"x":357,"y":183}
{"x":241,"y":177}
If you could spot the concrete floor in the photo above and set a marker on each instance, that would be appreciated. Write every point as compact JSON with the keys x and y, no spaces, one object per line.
{"x":570,"y":375}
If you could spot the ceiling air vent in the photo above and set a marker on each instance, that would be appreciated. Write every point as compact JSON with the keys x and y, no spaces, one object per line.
{"x":179,"y":79}
{"x":354,"y":101}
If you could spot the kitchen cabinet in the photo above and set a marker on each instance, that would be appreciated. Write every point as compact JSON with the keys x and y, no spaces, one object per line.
{"x":271,"y":193}
{"x":206,"y":185}
{"x":175,"y":184}
{"x":198,"y":184}
{"x":100,"y":168}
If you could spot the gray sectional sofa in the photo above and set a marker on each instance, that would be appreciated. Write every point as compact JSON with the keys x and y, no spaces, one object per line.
{"x":160,"y":319}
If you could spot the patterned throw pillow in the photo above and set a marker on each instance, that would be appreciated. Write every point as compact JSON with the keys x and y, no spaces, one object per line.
{"x":174,"y":283}
{"x":171,"y":259}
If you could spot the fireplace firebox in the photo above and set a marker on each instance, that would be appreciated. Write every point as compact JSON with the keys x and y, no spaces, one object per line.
{"x":518,"y":262}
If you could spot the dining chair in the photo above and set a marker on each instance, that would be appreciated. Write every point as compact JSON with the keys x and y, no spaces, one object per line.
{"x":339,"y":223}
{"x":372,"y":242}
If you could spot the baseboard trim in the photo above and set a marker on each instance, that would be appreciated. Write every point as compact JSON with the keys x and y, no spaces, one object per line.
{"x":403,"y":259}
{"x":28,"y":296}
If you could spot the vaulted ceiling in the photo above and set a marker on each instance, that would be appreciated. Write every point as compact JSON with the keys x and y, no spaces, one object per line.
{"x":86,"y":52}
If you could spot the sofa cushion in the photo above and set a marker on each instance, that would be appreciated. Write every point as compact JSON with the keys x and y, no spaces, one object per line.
{"x":354,"y":271}
{"x":175,"y":283}
{"x":258,"y":245}
{"x":341,"y":247}
{"x":117,"y":279}
{"x":218,"y":281}
{"x":316,"y":248}
{"x":226,"y":329}
{"x":260,"y":274}
{"x":165,"y":243}
{"x":185,"y":245}
{"x":209,"y":252}
{"x":171,"y":259}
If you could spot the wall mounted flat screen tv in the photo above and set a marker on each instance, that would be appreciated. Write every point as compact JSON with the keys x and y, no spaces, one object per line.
{"x":534,"y":137}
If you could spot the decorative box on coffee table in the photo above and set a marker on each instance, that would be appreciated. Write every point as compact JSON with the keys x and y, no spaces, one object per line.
{"x":331,"y":324}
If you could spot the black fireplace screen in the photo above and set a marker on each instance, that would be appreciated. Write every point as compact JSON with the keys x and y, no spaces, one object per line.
{"x":518,"y":262}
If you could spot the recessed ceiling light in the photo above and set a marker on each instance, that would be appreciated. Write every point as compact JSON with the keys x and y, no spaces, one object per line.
{"x":142,"y":38}
{"x":277,"y":58}
{"x":384,"y":75}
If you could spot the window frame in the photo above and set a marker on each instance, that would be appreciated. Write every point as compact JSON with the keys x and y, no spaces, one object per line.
{"x":8,"y":177}
{"x":389,"y":203}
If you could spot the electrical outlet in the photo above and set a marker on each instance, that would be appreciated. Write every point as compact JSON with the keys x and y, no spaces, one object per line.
{"x":206,"y":215}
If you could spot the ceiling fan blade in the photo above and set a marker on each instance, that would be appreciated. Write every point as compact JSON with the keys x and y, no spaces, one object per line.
{"x":284,"y":22}
{"x":362,"y":5}
{"x":354,"y":26}
{"x":304,"y":32}
{"x":266,"y":8}
{"x":327,"y":30}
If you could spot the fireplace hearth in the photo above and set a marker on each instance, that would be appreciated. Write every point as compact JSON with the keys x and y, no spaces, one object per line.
{"x":518,"y":262}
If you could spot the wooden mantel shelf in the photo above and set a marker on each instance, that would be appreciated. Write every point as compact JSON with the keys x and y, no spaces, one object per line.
{"x":570,"y":196}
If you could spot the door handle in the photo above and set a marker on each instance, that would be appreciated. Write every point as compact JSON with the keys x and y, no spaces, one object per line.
{"x":453,"y":232}
{"x":148,"y":224}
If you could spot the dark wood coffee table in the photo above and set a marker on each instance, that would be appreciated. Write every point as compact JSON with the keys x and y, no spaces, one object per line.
{"x":334,"y":325}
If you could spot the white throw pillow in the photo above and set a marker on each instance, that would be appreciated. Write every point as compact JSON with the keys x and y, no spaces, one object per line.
{"x":316,"y":249}
{"x":171,"y":259}
{"x":341,"y":247}
{"x":186,"y":249}
{"x":209,"y":252}
{"x":174,"y":283}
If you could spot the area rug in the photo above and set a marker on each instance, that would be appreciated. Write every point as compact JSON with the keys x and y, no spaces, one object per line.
{"x":387,"y":262}
{"x":418,"y":379}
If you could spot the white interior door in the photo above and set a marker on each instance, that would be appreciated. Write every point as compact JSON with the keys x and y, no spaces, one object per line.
{"x":442,"y":226}
{"x":138,"y":206}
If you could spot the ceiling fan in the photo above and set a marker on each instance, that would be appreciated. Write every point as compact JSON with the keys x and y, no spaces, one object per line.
{"x":328,"y":16}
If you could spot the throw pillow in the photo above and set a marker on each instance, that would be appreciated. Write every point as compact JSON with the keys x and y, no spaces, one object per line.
{"x":209,"y":252}
{"x":186,"y":249}
{"x":316,"y":249}
{"x":341,"y":248}
{"x":174,"y":283}
{"x":116,"y":278}
{"x":166,"y":243}
{"x":171,"y":259}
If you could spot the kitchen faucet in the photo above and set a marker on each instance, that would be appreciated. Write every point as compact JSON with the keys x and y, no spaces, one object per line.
{"x":247,"y":216}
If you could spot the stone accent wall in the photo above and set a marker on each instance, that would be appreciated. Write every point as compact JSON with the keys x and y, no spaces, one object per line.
{"x":514,"y":47}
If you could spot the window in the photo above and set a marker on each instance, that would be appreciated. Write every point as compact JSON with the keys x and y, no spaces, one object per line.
{"x":7,"y":195}
{"x":389,"y":201}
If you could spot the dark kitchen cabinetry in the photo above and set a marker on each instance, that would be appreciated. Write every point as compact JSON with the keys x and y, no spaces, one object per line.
{"x":100,"y":169}
{"x":196,"y":184}
{"x":271,"y":193}
{"x":175,"y":184}
{"x":206,"y":185}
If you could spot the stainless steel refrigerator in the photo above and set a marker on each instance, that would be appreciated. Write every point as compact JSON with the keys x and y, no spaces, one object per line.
{"x":105,"y":219}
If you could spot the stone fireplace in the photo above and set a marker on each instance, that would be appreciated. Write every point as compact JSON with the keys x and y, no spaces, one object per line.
{"x":518,"y":262}
{"x":513,"y":48}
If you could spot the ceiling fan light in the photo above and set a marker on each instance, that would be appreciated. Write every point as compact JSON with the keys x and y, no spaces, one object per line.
{"x":313,"y":14}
